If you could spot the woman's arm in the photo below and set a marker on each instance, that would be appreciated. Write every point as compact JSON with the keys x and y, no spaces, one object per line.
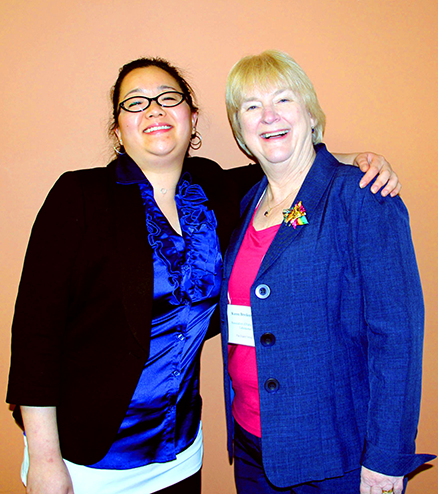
{"x":394,"y":315}
{"x":372,"y":165}
{"x":369,"y":163}
{"x":47,"y":471}
{"x":38,"y":330}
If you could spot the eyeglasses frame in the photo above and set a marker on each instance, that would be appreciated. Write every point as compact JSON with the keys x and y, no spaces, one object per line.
{"x":155,"y":98}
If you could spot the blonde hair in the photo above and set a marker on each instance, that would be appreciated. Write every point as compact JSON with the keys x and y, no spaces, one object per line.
{"x":270,"y":68}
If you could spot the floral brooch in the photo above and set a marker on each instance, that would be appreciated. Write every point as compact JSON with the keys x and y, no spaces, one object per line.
{"x":295,"y":216}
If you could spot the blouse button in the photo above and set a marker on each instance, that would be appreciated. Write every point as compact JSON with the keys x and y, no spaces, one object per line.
{"x":175,"y":373}
{"x":272,"y":385}
{"x":262,"y":291}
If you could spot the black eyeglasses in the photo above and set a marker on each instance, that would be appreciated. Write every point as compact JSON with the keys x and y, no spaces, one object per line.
{"x":136,"y":104}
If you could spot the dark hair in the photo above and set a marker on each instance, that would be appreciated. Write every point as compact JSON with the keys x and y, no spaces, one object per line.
{"x":143,"y":63}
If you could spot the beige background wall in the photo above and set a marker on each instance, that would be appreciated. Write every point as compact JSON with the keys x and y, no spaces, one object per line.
{"x":374,"y":65}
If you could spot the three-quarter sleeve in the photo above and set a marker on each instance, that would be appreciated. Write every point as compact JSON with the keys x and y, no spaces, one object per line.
{"x":44,"y":296}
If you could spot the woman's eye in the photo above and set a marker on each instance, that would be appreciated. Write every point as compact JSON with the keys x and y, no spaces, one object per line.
{"x":135,"y":102}
{"x":251,"y":107}
{"x":284,"y":100}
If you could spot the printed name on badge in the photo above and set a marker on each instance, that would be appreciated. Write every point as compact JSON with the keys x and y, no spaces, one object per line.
{"x":240,"y":331}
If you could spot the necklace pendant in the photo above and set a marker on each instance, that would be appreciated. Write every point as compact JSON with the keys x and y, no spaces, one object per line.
{"x":163,"y":190}
{"x":266,"y":213}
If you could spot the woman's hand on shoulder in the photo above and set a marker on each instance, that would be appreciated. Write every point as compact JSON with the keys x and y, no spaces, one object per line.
{"x":48,"y":477}
{"x":378,"y":483}
{"x":372,"y":165}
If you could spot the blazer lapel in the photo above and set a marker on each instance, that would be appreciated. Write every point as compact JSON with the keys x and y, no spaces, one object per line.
{"x":310,"y":194}
{"x":135,"y":260}
{"x":239,"y":232}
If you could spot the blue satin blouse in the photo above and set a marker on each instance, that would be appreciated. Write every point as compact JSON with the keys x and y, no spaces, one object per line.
{"x":164,"y":415}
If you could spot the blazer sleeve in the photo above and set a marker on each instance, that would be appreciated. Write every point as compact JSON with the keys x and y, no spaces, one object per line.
{"x":44,"y":296}
{"x":245,"y":177}
{"x":394,"y":315}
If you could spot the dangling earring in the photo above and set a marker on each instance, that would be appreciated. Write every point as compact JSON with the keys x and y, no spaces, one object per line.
{"x":120,"y":153}
{"x":196,"y":140}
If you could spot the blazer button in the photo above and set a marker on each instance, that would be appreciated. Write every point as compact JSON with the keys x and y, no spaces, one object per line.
{"x":272,"y":385}
{"x":267,"y":339}
{"x":262,"y":291}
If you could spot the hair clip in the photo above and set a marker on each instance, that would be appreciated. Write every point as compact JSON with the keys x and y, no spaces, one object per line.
{"x":295,"y":216}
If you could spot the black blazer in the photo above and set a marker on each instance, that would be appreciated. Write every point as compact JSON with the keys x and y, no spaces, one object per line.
{"x":82,"y":321}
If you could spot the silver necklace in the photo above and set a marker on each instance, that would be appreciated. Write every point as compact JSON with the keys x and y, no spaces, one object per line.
{"x":268,"y":211}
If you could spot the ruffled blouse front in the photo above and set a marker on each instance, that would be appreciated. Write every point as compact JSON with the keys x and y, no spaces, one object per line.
{"x":193,"y":261}
{"x":164,"y":415}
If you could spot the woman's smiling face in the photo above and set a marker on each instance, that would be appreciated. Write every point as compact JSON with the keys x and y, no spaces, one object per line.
{"x":157,"y":133}
{"x":275,"y":124}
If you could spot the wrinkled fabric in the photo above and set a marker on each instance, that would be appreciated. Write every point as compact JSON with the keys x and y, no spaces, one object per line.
{"x":164,"y":415}
{"x":345,"y":307}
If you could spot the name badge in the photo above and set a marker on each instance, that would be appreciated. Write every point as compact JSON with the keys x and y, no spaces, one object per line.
{"x":240,"y":330}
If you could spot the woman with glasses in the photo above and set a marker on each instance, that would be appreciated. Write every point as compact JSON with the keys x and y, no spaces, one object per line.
{"x":121,"y":278}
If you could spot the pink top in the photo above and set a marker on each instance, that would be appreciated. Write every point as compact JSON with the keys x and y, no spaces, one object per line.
{"x":242,"y":364}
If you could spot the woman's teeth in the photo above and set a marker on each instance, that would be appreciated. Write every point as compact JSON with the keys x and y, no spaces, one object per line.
{"x":268,"y":135}
{"x":160,"y":127}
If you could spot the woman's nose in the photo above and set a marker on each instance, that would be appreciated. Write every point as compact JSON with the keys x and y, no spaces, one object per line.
{"x":155,"y":110}
{"x":269,"y":114}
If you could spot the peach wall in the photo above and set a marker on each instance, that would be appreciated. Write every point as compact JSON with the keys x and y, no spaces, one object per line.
{"x":373,"y":63}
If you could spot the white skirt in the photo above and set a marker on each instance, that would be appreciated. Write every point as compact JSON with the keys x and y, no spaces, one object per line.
{"x":141,"y":480}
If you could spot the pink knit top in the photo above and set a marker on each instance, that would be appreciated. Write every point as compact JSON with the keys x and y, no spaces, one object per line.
{"x":242,"y":364}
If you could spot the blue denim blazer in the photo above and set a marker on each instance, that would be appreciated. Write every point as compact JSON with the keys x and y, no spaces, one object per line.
{"x":340,"y":380}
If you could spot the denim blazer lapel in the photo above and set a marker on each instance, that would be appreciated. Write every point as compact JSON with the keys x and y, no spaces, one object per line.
{"x":310,"y":194}
{"x":237,"y":236}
